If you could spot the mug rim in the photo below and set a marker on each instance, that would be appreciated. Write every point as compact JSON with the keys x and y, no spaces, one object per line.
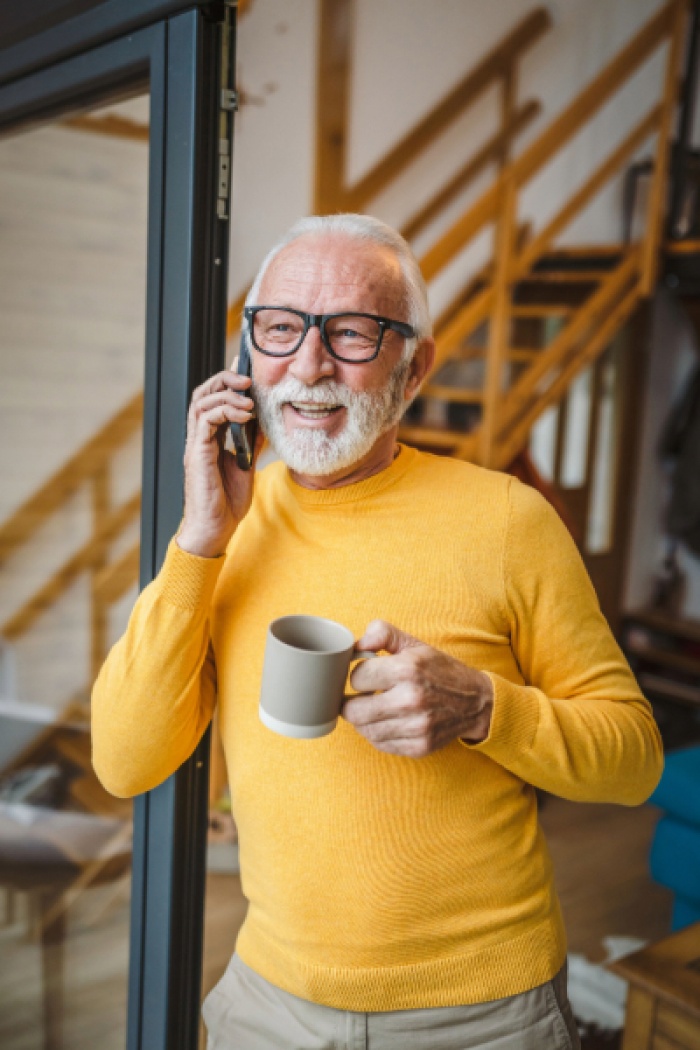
{"x":316,"y":619}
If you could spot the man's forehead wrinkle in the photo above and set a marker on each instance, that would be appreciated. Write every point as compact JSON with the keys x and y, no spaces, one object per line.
{"x":330,"y":269}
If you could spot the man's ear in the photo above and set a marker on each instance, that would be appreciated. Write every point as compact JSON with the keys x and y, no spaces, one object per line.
{"x":421,"y":364}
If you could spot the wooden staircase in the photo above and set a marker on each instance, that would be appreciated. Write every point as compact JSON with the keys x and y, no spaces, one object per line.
{"x":520,"y":331}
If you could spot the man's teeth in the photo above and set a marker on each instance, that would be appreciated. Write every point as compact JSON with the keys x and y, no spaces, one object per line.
{"x":313,"y":411}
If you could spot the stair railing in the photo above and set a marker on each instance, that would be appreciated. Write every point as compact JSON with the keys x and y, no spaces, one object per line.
{"x":498,"y":68}
{"x":509,"y":415}
{"x":90,"y":466}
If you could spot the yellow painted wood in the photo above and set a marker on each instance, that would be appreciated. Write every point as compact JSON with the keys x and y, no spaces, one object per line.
{"x":540,"y":244}
{"x":101,"y":500}
{"x":472,"y":314}
{"x":61,"y":486}
{"x":689,"y":247}
{"x":332,"y":99}
{"x":559,"y":132}
{"x":430,"y":436}
{"x":92,"y":551}
{"x":492,"y":68}
{"x":499,"y":327}
{"x":110,"y":124}
{"x":488,"y":154}
{"x":458,"y":395}
{"x":599,"y":304}
{"x":639,"y":1020}
{"x":542,"y":310}
{"x":517,"y":435}
{"x":116,"y":579}
{"x":656,"y":207}
{"x":678,"y":1026}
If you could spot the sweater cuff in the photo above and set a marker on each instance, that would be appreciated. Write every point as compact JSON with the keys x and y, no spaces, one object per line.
{"x":187,"y":580}
{"x":514,"y":720}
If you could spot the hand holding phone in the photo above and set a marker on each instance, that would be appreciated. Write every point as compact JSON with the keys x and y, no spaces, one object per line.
{"x":243,"y":435}
{"x":218,"y":484}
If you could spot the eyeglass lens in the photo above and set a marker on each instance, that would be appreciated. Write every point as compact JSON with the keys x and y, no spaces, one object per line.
{"x":352,"y":337}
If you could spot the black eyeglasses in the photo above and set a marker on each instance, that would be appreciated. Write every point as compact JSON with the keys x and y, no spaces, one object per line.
{"x":355,"y":338}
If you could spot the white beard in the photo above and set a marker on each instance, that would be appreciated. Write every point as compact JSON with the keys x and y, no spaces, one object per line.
{"x":310,"y":451}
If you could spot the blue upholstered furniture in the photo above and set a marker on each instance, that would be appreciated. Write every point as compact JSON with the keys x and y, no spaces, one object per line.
{"x":675,"y":851}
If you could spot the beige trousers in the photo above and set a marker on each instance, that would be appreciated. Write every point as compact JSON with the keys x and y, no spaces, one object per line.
{"x":246,"y":1012}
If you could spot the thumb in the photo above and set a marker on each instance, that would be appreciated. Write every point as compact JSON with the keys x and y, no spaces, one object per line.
{"x":382,"y":635}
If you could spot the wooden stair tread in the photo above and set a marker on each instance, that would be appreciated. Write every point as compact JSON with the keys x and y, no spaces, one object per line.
{"x":541,"y":310}
{"x":431,"y":436}
{"x":577,"y":250}
{"x":462,"y":395}
{"x":514,"y":353}
{"x":689,"y":247}
{"x":547,"y":276}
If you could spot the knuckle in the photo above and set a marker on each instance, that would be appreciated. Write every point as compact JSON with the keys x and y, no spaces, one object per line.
{"x":413,"y":695}
{"x":425,"y":724}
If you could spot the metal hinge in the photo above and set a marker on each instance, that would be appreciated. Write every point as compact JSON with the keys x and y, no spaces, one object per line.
{"x":228,"y":104}
{"x":229,"y":99}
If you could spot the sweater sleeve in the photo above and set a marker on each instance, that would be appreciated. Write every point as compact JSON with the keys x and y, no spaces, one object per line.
{"x":579,"y":727}
{"x":156,"y":692}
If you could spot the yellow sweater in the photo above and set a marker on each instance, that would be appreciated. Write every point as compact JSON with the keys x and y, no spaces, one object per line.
{"x":375,"y":881}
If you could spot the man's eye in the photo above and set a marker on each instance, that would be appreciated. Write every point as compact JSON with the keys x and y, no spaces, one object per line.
{"x":349,"y":333}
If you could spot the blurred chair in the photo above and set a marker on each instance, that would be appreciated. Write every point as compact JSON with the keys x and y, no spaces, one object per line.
{"x":675,"y":850}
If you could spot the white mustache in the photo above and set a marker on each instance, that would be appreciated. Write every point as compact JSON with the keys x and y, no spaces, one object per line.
{"x":329,"y":392}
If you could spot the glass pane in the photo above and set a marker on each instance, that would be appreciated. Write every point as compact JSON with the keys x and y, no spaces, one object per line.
{"x":73,"y":199}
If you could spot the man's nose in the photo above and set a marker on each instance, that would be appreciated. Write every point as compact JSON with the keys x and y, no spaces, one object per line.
{"x":312,"y":361}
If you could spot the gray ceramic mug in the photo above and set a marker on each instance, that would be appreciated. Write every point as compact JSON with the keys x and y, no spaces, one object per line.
{"x":307,"y":660}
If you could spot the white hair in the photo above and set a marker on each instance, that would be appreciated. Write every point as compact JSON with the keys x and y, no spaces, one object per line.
{"x":363,"y":228}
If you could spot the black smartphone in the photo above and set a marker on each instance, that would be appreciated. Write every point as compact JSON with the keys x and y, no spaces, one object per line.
{"x":243,"y":435}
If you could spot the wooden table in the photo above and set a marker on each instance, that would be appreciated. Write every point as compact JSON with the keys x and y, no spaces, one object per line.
{"x":663,"y":1005}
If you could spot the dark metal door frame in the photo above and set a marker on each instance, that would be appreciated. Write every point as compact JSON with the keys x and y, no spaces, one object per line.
{"x":185,"y":57}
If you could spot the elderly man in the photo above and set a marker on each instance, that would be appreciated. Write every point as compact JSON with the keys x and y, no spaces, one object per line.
{"x":400,"y":890}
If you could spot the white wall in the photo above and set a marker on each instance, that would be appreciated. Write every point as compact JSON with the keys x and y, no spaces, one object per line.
{"x":274,"y":135}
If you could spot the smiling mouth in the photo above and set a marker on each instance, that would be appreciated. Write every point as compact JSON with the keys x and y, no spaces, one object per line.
{"x":314,"y":410}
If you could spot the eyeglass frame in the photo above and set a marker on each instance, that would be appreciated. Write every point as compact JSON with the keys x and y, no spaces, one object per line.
{"x":319,"y":321}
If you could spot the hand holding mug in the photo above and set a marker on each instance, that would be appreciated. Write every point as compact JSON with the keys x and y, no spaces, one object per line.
{"x":418,"y":699}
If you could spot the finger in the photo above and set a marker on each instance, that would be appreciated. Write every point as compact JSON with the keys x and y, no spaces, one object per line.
{"x":209,"y":422}
{"x":364,"y":709}
{"x":236,"y":398}
{"x":380,"y":634}
{"x":221,"y":381}
{"x":394,"y":738}
{"x":370,"y":676}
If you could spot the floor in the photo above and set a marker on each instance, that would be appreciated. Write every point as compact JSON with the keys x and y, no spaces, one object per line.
{"x":599,"y":853}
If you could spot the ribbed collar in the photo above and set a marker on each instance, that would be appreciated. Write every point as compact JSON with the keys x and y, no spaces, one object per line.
{"x":360,"y":490}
